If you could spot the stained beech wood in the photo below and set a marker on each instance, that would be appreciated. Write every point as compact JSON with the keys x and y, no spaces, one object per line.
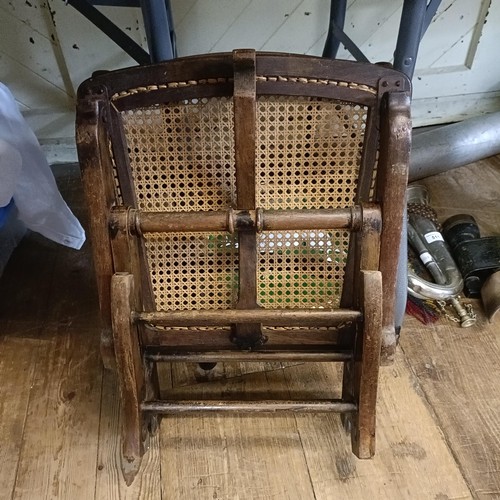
{"x":395,"y":143}
{"x":337,"y":406}
{"x":366,"y":366}
{"x":128,"y":223}
{"x":130,"y":373}
{"x":284,"y":317}
{"x":137,"y":222}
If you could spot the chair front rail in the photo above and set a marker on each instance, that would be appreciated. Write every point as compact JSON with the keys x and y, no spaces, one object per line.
{"x":270,"y":317}
{"x":270,"y":406}
{"x":220,"y":356}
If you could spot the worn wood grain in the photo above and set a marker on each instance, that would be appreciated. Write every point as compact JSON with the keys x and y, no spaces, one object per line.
{"x":449,"y":402}
{"x":233,"y":456}
{"x":50,"y":362}
{"x":59,"y":445}
{"x":98,"y":191}
{"x":395,"y":137}
{"x":129,"y":371}
{"x":246,"y":335}
{"x":60,"y":438}
{"x":55,"y":284}
{"x":366,"y":366}
{"x":203,"y":453}
{"x":458,"y":370}
{"x":412,"y":458}
{"x":110,"y":483}
{"x":472,"y":189}
{"x":17,"y":368}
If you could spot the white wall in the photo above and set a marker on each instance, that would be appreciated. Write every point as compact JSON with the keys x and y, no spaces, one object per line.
{"x":47,"y":48}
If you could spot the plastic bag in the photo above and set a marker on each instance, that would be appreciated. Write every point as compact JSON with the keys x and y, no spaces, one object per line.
{"x":25,"y":175}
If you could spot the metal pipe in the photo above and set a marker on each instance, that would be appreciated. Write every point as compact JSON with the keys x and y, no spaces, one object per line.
{"x":410,"y":33}
{"x":156,"y":23}
{"x":131,"y":47}
{"x":451,"y":146}
{"x":173,"y":39}
{"x":337,"y":17}
{"x":337,"y":35}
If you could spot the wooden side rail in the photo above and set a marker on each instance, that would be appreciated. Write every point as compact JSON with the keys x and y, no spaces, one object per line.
{"x":270,"y":406}
{"x":221,"y":356}
{"x":270,"y":317}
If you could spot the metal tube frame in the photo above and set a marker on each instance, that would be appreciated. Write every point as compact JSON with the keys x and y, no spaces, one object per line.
{"x":338,"y":10}
{"x":415,"y":19}
{"x":411,"y":29}
{"x":158,"y":23}
{"x":131,"y":47}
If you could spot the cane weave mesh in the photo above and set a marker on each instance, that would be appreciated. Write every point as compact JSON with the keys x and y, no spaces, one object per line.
{"x":299,"y":269}
{"x":182,"y":159}
{"x":308,"y":154}
{"x":193,"y":270}
{"x":182,"y":155}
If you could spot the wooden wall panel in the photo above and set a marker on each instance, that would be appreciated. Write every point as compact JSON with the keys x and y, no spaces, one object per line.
{"x":28,"y":64}
{"x":47,"y":48}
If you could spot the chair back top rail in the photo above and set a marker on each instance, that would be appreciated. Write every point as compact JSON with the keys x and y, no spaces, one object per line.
{"x":275,"y":72}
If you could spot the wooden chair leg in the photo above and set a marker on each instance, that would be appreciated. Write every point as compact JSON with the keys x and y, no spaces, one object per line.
{"x":361,"y":381}
{"x":130,"y":374}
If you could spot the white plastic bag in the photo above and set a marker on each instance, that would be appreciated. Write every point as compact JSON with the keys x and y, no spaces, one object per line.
{"x":11,"y":163}
{"x":39,"y":203}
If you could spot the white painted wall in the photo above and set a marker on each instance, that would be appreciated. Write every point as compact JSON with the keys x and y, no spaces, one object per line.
{"x":47,"y":48}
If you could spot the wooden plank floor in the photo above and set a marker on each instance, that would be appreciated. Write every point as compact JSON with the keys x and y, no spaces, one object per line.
{"x":458,"y":369}
{"x":438,"y":412}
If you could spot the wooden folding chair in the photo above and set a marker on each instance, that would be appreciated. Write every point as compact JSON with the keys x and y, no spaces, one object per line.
{"x":244,"y":207}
